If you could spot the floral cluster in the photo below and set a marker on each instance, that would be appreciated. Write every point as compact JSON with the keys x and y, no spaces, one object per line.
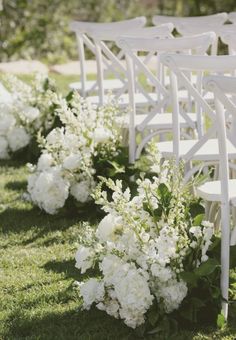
{"x":29,"y":110}
{"x":66,"y":165}
{"x":142,"y":247}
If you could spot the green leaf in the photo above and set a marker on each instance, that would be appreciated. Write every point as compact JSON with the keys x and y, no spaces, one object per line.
{"x":69,"y":96}
{"x":198,"y":219}
{"x":221,"y":322}
{"x":189,"y":277}
{"x":207,"y":267}
{"x":118,"y":169}
{"x":196,"y":209}
{"x":153,"y":317}
{"x":164,"y":194}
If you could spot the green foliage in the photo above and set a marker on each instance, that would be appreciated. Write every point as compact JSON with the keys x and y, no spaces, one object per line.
{"x":38,"y":29}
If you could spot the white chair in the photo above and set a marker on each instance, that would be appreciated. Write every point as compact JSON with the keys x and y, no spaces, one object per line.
{"x":223,"y":190}
{"x":218,"y":28}
{"x":80,"y":28}
{"x":232,"y":17}
{"x":101,"y":40}
{"x":205,"y":147}
{"x":155,"y":121}
{"x":218,"y":18}
{"x":229,"y":38}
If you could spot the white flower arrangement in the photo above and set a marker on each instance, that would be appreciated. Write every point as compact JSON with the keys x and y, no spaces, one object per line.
{"x":140,"y":248}
{"x":29,"y":110}
{"x":66,"y":165}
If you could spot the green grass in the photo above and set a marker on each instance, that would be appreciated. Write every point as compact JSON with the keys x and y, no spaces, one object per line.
{"x":38,"y":298}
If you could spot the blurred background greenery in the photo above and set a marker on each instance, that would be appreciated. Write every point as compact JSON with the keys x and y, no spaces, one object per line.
{"x":38,"y":29}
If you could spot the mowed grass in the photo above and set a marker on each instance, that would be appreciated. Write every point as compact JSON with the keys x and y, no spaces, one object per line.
{"x":38,"y":295}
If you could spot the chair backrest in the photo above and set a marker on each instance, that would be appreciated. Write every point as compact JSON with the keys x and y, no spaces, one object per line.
{"x":81,"y":28}
{"x":136,"y":67}
{"x":107,"y":60}
{"x":218,"y":18}
{"x":232,"y":17}
{"x":224,"y":89}
{"x":218,"y":28}
{"x":229,"y":38}
{"x":178,"y":65}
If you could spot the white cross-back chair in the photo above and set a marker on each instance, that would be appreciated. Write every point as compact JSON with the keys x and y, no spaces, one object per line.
{"x":219,"y":28}
{"x":229,"y":38}
{"x":232,"y":17}
{"x":218,"y":18}
{"x":80,"y":28}
{"x":224,"y":189}
{"x":104,"y":55}
{"x":205,"y":147}
{"x":155,"y":121}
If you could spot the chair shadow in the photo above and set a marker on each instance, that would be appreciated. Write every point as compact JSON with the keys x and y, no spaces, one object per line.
{"x":67,"y":267}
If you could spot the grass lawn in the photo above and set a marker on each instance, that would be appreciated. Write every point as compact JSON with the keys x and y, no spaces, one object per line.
{"x":38,"y":298}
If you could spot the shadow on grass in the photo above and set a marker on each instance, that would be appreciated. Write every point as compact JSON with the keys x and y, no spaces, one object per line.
{"x":71,"y":325}
{"x":16,"y":185}
{"x":67,"y":267}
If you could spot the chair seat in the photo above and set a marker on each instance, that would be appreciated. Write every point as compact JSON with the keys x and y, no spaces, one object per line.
{"x":211,"y":191}
{"x":123,"y":100}
{"x":208,"y":152}
{"x":109,"y":84}
{"x":160,"y":120}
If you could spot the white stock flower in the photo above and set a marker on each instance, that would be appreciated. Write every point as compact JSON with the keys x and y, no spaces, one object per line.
{"x":84,"y":258}
{"x":18,"y":138}
{"x":3,"y":148}
{"x":56,"y":136}
{"x":48,"y":189}
{"x":101,"y":135}
{"x":81,"y":191}
{"x":107,"y":228}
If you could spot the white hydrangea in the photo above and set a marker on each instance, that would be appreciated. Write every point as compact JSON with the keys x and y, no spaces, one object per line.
{"x":91,"y":291}
{"x":172,"y":293}
{"x":3,"y":148}
{"x":72,"y":161}
{"x":18,"y":138}
{"x":7,"y":121}
{"x":49,"y":190}
{"x":81,"y":191}
{"x":45,"y":161}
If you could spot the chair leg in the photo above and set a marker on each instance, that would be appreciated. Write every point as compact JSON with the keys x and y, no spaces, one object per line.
{"x":225,"y":249}
{"x":233,"y":232}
